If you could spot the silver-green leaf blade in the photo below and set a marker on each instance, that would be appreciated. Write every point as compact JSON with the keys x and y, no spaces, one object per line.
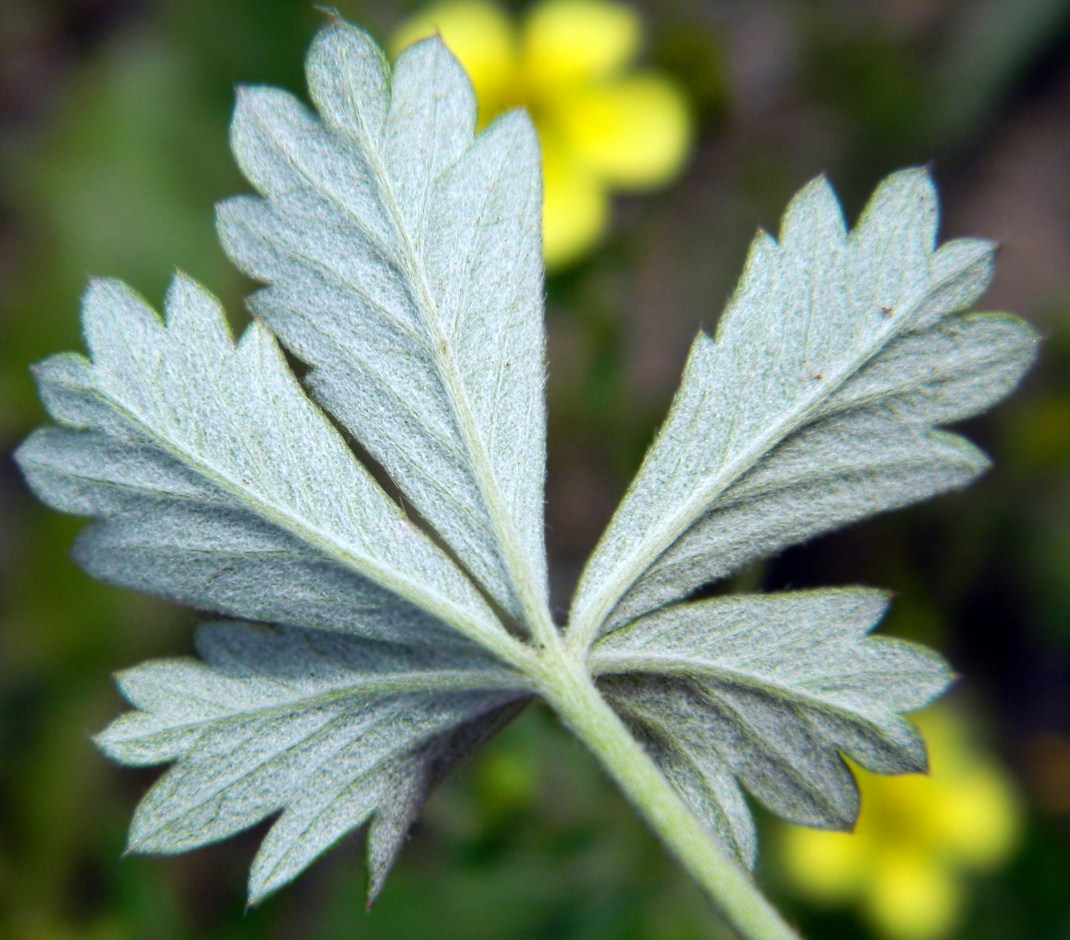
{"x":402,"y":256}
{"x":216,"y":483}
{"x":656,"y":714}
{"x":410,"y":789}
{"x":771,"y":689}
{"x":327,"y":728}
{"x":835,"y":358}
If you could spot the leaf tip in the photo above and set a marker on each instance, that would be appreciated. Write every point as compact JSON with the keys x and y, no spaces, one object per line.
{"x":376,"y":880}
{"x":814,"y":208}
{"x":337,"y":28}
{"x":256,"y":893}
{"x":330,"y":13}
{"x":918,"y":761}
{"x":135,"y":845}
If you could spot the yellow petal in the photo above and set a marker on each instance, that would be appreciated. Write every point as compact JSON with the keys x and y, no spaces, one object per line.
{"x":972,"y":815}
{"x":566,"y":42}
{"x":895,"y":808}
{"x":829,"y":867}
{"x":484,"y":40}
{"x":978,"y":822}
{"x":912,"y":897}
{"x":575,"y":207}
{"x":634,"y":132}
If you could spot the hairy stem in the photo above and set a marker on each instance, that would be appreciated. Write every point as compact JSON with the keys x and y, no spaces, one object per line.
{"x":571,"y":692}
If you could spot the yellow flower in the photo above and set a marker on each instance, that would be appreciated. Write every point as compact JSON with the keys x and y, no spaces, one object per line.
{"x":602,"y":124}
{"x":917,"y":837}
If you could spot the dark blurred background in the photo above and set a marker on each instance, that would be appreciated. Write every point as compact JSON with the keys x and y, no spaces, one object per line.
{"x":113,"y":150}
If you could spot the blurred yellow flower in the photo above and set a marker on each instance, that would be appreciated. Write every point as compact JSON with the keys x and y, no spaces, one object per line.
{"x":916,"y":838}
{"x":602,"y":124}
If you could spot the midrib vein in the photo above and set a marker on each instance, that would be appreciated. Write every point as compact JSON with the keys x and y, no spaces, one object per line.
{"x":520,"y":577}
{"x":636,"y":562}
{"x":491,"y":637}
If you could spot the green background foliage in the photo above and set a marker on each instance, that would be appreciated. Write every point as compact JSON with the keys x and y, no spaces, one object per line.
{"x":112,"y":152}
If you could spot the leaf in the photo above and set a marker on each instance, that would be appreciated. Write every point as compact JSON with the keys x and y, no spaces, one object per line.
{"x":217,"y":484}
{"x":770,"y":689}
{"x":331,"y":729}
{"x":391,"y":824}
{"x":372,"y":651}
{"x":815,"y":404}
{"x":404,"y":265}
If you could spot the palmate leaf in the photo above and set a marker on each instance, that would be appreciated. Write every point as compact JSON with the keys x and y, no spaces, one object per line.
{"x":371,"y":648}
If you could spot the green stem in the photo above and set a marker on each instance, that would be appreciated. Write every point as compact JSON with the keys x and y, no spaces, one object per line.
{"x":572,"y":693}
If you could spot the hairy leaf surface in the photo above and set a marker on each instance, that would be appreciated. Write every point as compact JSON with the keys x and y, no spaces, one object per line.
{"x":815,"y":403}
{"x":372,"y":650}
{"x":330,"y":729}
{"x":770,"y":689}
{"x":403,"y":259}
{"x":216,"y":483}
